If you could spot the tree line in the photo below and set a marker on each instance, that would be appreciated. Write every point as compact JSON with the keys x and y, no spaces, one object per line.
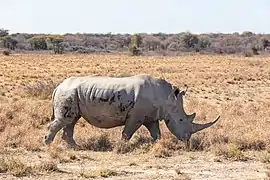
{"x":247,"y":42}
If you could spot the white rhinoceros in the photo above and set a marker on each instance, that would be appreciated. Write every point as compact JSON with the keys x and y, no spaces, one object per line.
{"x":108,"y":102}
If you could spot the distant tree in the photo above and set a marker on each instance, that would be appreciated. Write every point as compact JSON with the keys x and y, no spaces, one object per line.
{"x":135,"y":51}
{"x":9,"y":42}
{"x":136,"y":41}
{"x":3,"y":32}
{"x":202,"y":44}
{"x":38,"y":43}
{"x":265,"y":43}
{"x":255,"y":50}
{"x":173,"y":46}
{"x":247,"y":33}
{"x":152,"y":43}
{"x":6,"y":52}
{"x":189,"y":40}
{"x":58,"y":46}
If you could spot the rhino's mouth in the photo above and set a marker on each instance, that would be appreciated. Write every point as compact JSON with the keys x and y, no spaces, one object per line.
{"x":186,"y":137}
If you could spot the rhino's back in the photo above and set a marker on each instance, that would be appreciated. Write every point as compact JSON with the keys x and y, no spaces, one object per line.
{"x":103,"y":101}
{"x":106,"y":101}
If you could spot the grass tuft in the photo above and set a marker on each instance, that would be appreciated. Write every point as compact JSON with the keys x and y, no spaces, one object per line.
{"x":230,"y":151}
{"x":99,"y":142}
{"x":181,"y":175}
{"x":105,"y":173}
{"x":14,"y":166}
{"x":48,"y":167}
{"x":160,"y":150}
{"x":40,"y":89}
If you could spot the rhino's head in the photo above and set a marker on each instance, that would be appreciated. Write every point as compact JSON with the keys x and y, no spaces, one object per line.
{"x":178,"y":122}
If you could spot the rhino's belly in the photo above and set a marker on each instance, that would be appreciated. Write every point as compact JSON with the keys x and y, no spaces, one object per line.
{"x":103,"y":115}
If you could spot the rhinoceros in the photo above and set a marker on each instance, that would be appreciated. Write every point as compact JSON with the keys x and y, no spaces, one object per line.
{"x":108,"y":102}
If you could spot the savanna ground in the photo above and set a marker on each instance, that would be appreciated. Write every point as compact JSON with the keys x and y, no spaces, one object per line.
{"x":237,"y":147}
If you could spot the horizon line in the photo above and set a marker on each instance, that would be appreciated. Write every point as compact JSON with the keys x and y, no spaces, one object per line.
{"x":131,"y":33}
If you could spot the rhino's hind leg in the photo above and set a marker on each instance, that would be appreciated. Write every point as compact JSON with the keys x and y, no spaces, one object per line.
{"x":153,"y":128}
{"x":68,"y":132}
{"x":53,"y":128}
{"x":65,"y":112}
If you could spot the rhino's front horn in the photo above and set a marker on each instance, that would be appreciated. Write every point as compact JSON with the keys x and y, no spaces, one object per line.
{"x":199,"y":127}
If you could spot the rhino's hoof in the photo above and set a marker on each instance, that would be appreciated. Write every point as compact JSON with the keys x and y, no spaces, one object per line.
{"x":74,"y":146}
{"x":47,"y":141}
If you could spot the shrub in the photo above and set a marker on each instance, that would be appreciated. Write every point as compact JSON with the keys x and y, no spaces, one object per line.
{"x":38,"y":43}
{"x":135,"y":51}
{"x":255,"y":50}
{"x":189,"y":40}
{"x":49,"y":166}
{"x":202,"y":44}
{"x":230,"y":151}
{"x":265,"y":43}
{"x":136,"y":41}
{"x":3,"y":32}
{"x":6,"y":52}
{"x":9,"y":42}
{"x":14,"y":166}
{"x":98,"y":143}
{"x":41,"y":89}
{"x":105,"y":173}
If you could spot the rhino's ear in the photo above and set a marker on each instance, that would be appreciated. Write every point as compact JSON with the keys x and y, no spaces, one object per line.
{"x":176,"y":91}
{"x":184,"y":91}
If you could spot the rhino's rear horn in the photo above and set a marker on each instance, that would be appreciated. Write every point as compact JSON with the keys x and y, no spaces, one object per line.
{"x":191,"y":117}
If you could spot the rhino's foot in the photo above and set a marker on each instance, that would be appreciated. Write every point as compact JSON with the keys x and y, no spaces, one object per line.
{"x":155,"y":141}
{"x":187,"y":145}
{"x":73,"y":146}
{"x":47,"y":140}
{"x":125,"y":137}
{"x":70,"y":143}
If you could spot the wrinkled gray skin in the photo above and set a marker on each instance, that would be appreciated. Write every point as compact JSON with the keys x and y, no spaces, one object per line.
{"x":108,"y":102}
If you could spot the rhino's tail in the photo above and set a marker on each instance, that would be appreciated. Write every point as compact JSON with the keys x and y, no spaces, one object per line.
{"x":53,"y":94}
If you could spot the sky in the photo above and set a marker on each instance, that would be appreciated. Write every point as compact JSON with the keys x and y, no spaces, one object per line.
{"x":135,"y":16}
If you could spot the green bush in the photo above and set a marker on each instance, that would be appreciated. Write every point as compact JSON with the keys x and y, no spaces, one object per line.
{"x":6,"y":52}
{"x":38,"y":43}
{"x":189,"y":40}
{"x":136,"y":41}
{"x":9,"y":42}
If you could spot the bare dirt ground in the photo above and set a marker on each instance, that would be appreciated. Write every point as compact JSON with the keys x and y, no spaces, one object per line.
{"x":235,"y":87}
{"x":184,"y":165}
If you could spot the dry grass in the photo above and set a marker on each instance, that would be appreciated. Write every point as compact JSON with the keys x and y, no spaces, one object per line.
{"x":182,"y":176}
{"x":47,"y":167}
{"x":230,"y":151}
{"x":105,"y":173}
{"x":14,"y":166}
{"x":62,"y":154}
{"x":235,"y":87}
{"x":41,"y":89}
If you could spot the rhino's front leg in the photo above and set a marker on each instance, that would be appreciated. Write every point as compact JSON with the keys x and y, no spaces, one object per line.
{"x":153,"y":128}
{"x":131,"y":126}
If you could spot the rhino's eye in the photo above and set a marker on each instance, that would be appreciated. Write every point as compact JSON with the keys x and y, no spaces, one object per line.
{"x":181,"y":119}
